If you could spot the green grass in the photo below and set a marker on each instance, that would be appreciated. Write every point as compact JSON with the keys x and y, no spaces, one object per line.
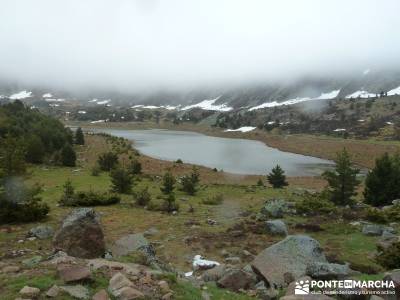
{"x":186,"y":291}
{"x":348,"y":244}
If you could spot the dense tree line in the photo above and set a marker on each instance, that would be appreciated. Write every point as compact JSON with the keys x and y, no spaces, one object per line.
{"x":33,"y":136}
{"x":27,"y":136}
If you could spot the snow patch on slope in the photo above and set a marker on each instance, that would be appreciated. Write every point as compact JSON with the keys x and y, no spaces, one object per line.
{"x":47,"y":95}
{"x":209,"y":105}
{"x":103,"y":102}
{"x":323,"y":96}
{"x":360,"y":94}
{"x":54,"y":100}
{"x":241,"y":129}
{"x":168,"y":107}
{"x":395,"y":91}
{"x":21,"y":95}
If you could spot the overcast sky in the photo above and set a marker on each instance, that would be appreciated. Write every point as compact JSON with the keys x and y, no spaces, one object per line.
{"x":145,"y":44}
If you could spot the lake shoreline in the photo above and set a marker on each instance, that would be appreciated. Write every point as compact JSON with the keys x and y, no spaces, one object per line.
{"x":364,"y":152}
{"x":236,"y":156}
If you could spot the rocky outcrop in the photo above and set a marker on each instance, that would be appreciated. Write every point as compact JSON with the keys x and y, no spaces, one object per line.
{"x":292,"y":255}
{"x":395,"y":277}
{"x":81,"y":234}
{"x":214,"y":274}
{"x":276,"y":227}
{"x":275,"y":208}
{"x":29,"y":292}
{"x":73,"y":273}
{"x":376,"y":230}
{"x":76,"y":291}
{"x":122,"y":288}
{"x":131,"y":243}
{"x":327,"y":271}
{"x":101,"y":295}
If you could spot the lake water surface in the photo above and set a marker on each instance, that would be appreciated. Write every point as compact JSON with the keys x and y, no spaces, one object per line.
{"x":231,"y":155}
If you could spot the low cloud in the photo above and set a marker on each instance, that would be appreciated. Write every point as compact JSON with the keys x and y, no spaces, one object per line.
{"x":141,"y":45}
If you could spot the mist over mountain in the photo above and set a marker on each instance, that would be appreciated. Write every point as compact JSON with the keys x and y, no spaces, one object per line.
{"x":154,"y":51}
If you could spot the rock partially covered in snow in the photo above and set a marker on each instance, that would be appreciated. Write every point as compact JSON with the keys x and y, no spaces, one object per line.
{"x":199,"y":263}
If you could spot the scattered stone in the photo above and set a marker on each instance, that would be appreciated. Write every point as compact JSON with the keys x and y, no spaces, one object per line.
{"x":214,"y":274}
{"x":235,"y":280}
{"x":101,"y":295}
{"x":81,"y":234}
{"x":131,"y":243}
{"x":73,"y":273}
{"x":376,"y":230}
{"x":164,"y":286}
{"x":61,"y":258}
{"x":293,"y":255}
{"x":76,"y":291}
{"x":126,"y":268}
{"x":122,"y":288}
{"x":211,"y":222}
{"x":264,"y":293}
{"x":275,"y":208}
{"x":276,"y":227}
{"x":395,"y":277}
{"x":247,"y":253}
{"x":32,"y":238}
{"x":119,"y":281}
{"x":31,"y":262}
{"x":327,"y":271}
{"x":53,"y":291}
{"x":129,"y":293}
{"x":387,"y":240}
{"x":29,"y":292}
{"x":167,"y":296}
{"x":233,"y":260}
{"x":41,"y":232}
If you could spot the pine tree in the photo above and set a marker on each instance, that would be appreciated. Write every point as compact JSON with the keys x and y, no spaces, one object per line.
{"x":107,"y":161}
{"x":135,"y":167}
{"x":12,"y":157}
{"x":35,"y":150}
{"x":382,"y":184}
{"x":68,"y":156}
{"x":121,"y":181}
{"x":68,"y":193}
{"x":277,"y":178}
{"x":189,"y":182}
{"x":79,"y":137}
{"x":170,"y":204}
{"x":343,"y":180}
{"x":168,"y":183}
